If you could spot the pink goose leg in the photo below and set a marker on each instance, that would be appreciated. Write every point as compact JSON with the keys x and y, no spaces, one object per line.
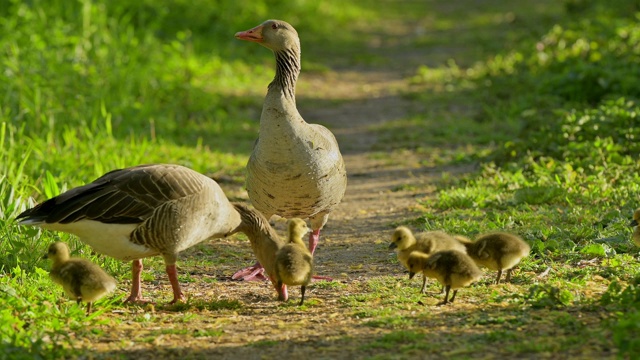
{"x":136,"y":270}
{"x":251,"y":273}
{"x":314,"y":237}
{"x":175,"y":285}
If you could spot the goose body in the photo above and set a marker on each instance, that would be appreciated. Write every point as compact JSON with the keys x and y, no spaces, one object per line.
{"x":294,"y":262}
{"x":636,"y":230}
{"x":295,"y":169}
{"x":141,"y":211}
{"x":425,"y":242}
{"x":497,"y":251}
{"x":80,"y":279}
{"x":452,"y":268}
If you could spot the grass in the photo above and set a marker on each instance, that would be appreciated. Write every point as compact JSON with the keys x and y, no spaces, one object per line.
{"x":540,"y":97}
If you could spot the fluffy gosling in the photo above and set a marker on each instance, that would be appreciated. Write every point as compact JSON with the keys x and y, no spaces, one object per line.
{"x":294,"y":262}
{"x":452,"y":268}
{"x":426,"y":242}
{"x":81,"y":279}
{"x":497,"y":251}
{"x":636,"y":230}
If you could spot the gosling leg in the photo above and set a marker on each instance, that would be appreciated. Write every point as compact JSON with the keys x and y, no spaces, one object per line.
{"x":508,"y":279}
{"x":455,"y":292}
{"x":424,"y":283}
{"x":446,"y":295}
{"x":302,"y":290}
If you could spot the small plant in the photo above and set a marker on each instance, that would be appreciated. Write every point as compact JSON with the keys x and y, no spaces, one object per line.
{"x":547,"y":296}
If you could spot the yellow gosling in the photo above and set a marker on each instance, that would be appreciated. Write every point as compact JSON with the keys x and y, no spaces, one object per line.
{"x":636,"y":230}
{"x":426,"y":242}
{"x":452,"y":268}
{"x":497,"y":251}
{"x":294,"y":262}
{"x":81,"y":279}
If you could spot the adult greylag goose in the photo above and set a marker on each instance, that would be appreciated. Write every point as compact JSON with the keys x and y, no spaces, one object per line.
{"x":636,"y":229}
{"x":148,"y":210}
{"x":426,"y":242}
{"x":453,"y":269}
{"x":294,"y":262}
{"x":497,"y":251}
{"x":81,"y":279}
{"x":295,"y":169}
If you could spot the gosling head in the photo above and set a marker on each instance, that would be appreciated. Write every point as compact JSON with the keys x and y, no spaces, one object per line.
{"x":416,"y":263}
{"x":402,"y":238}
{"x":297,"y":229}
{"x":636,"y":218}
{"x":58,"y":252}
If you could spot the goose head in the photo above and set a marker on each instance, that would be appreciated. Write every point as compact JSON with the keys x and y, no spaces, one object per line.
{"x":276,"y":35}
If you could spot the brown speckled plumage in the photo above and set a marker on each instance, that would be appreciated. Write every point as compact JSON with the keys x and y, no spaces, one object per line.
{"x":142,"y":211}
{"x":295,"y":169}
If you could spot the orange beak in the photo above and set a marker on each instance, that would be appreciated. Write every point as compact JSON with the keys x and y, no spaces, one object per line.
{"x":253,"y":35}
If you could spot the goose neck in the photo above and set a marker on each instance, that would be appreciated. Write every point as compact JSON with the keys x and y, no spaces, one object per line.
{"x":287,"y":71}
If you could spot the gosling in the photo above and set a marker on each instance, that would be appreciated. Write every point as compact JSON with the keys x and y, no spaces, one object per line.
{"x":497,"y":251}
{"x":81,"y":279}
{"x":294,"y":262}
{"x":426,"y":242}
{"x":452,"y":268}
{"x":636,"y":229}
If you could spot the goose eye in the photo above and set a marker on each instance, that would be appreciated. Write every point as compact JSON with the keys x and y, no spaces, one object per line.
{"x":274,"y":26}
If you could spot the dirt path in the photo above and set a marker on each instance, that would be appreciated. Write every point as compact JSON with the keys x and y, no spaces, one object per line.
{"x":382,"y":191}
{"x":377,"y":195}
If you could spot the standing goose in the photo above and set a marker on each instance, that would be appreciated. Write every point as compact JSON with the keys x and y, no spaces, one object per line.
{"x":497,"y":251}
{"x":636,"y":229}
{"x":144,"y":211}
{"x":295,"y":169}
{"x":452,"y":268}
{"x":426,"y":242}
{"x":81,"y":279}
{"x":294,"y":262}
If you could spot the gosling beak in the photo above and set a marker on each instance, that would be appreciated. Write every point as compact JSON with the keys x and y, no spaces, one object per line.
{"x":411,"y":275}
{"x":46,"y":256}
{"x":634,"y":222}
{"x":253,"y":35}
{"x":392,"y":246}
